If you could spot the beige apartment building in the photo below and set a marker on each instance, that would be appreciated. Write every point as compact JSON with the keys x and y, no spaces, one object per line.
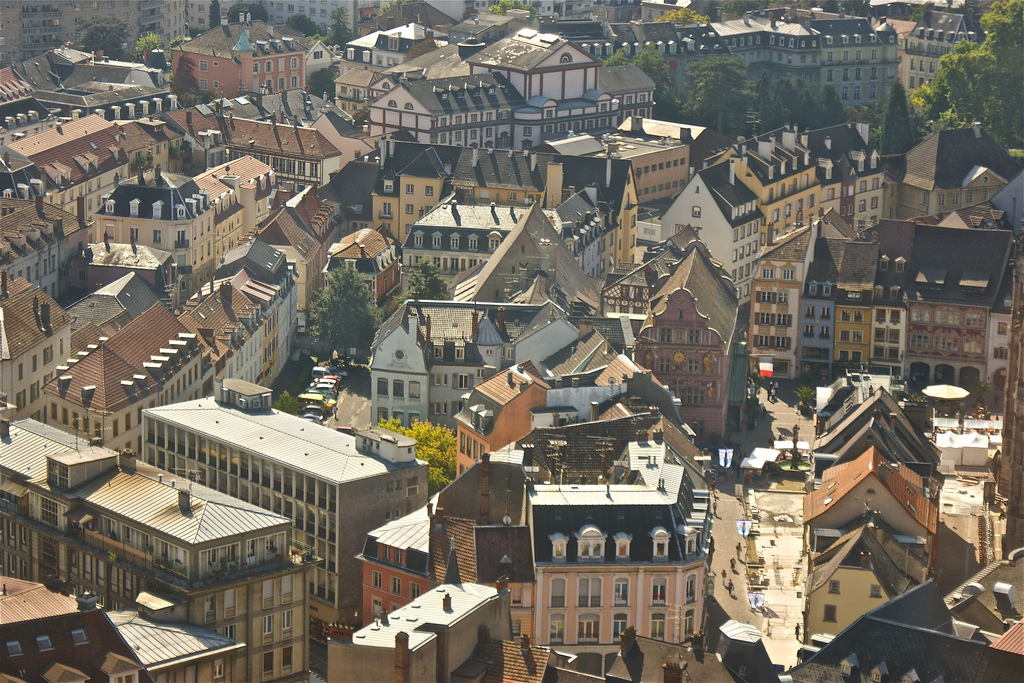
{"x":99,"y":521}
{"x":37,"y":335}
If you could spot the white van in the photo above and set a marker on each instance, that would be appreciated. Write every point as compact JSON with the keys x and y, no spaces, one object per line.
{"x":319,"y":371}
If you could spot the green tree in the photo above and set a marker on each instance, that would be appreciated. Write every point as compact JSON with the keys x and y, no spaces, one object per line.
{"x":504,"y":6}
{"x":214,"y":13}
{"x":340,"y":30}
{"x":684,"y":16}
{"x":983,"y":82}
{"x":286,"y":403}
{"x":302,"y":24}
{"x":256,"y":11}
{"x":897,"y":135}
{"x":619,"y":58}
{"x":666,"y":98}
{"x":147,"y":43}
{"x":426,"y":283}
{"x":183,"y":81}
{"x":394,"y":4}
{"x":177,"y":40}
{"x":719,"y":94}
{"x":833,"y":111}
{"x":321,"y":81}
{"x":108,"y":35}
{"x":422,"y":48}
{"x":343,"y":314}
{"x":435,"y":444}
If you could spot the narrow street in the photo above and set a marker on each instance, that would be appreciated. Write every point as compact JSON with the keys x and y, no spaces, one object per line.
{"x":779,"y":543}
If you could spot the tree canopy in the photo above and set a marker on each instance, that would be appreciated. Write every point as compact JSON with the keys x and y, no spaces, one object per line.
{"x":321,"y":81}
{"x":435,"y":444}
{"x":147,"y":43}
{"x":108,"y":35}
{"x":795,"y":102}
{"x":982,"y":82}
{"x":504,"y":6}
{"x":719,"y":94}
{"x":897,"y":136}
{"x":287,"y":403}
{"x":256,"y":11}
{"x":425,"y":282}
{"x":684,"y":16}
{"x":183,"y":81}
{"x":343,"y":314}
{"x":214,"y":13}
{"x":340,"y":31}
{"x":649,"y":60}
{"x":302,"y":24}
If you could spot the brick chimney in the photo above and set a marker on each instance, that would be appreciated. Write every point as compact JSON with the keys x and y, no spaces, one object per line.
{"x":485,"y":489}
{"x":446,"y":602}
{"x":524,"y":642}
{"x":671,"y":673}
{"x":225,"y":292}
{"x":80,"y":211}
{"x":626,"y":639}
{"x":402,"y":668}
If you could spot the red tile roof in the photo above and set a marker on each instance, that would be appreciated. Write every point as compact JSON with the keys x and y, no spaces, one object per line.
{"x":510,"y":662}
{"x":70,"y":153}
{"x":1012,"y":640}
{"x":218,"y":319}
{"x":904,"y":485}
{"x":365,"y":243}
{"x":102,"y":652}
{"x":497,"y":387}
{"x":21,"y":325}
{"x":262,"y":137}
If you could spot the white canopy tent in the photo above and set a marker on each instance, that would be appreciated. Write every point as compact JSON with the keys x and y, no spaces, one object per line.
{"x":962,"y":450}
{"x":758,"y":457}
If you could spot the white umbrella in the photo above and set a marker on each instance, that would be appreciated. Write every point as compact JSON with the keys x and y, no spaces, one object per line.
{"x":767,"y":454}
{"x":946,"y":392}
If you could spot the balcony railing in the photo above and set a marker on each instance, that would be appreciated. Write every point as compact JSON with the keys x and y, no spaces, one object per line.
{"x":181,"y":244}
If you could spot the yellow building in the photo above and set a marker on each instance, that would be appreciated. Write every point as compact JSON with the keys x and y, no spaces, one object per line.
{"x":849,"y":578}
{"x":854,"y":296}
{"x":149,"y":143}
{"x":778,"y":168}
{"x":949,"y":170}
{"x":239,"y":191}
{"x":775,"y":302}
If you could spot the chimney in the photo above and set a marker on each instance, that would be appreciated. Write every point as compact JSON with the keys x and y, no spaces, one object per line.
{"x":977,"y":129}
{"x":127,"y":461}
{"x":241,"y":17}
{"x":225,"y":292}
{"x":3,"y":285}
{"x":475,"y":324}
{"x":732,"y":171}
{"x":483,"y":634}
{"x":446,"y":602}
{"x":39,"y":204}
{"x":828,"y":142}
{"x":595,"y":408}
{"x":485,"y":489}
{"x":402,"y":669}
{"x":188,"y":117}
{"x":626,"y":639}
{"x":501,"y":318}
{"x":5,"y":429}
{"x":608,"y":172}
{"x":524,"y":642}
{"x":87,"y":601}
{"x":44,"y":316}
{"x":184,"y":501}
{"x":476,"y":156}
{"x":533,"y":162}
{"x":428,"y":328}
{"x":671,"y":673}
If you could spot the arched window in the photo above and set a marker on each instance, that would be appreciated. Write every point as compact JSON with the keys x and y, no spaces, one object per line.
{"x":558,"y":544}
{"x":558,"y":592}
{"x":590,"y":542}
{"x":408,"y":105}
{"x":392,"y":103}
{"x":622,"y":541}
{"x":660,"y":538}
{"x":566,"y":58}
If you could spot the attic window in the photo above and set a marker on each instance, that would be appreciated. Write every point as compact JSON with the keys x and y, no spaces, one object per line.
{"x":591,"y":543}
{"x":133,"y":207}
{"x":558,"y":543}
{"x":181,"y":211}
{"x":13,"y":648}
{"x":566,"y":58}
{"x":43,"y":642}
{"x":660,"y":537}
{"x":110,"y":206}
{"x":79,"y":637}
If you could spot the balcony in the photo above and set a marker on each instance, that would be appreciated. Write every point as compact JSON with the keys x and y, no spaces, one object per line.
{"x":41,"y":30}
{"x":385,"y":214}
{"x":41,"y":13}
{"x":181,"y":244}
{"x":145,"y":5}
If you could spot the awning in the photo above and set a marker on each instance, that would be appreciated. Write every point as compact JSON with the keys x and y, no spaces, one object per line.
{"x":767,"y":454}
{"x":784,"y":445}
{"x":78,"y":515}
{"x":15,"y":489}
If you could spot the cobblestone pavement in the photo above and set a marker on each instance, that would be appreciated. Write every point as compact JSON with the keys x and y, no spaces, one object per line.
{"x":780,"y":543}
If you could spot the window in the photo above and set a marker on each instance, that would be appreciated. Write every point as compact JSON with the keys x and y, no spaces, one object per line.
{"x":833,"y":586}
{"x":268,"y":663}
{"x":589,"y":593}
{"x":876,"y":590}
{"x":202,"y":65}
{"x":658,"y":591}
{"x":696,"y":212}
{"x":691,"y":588}
{"x":558,"y":592}
{"x":43,"y":642}
{"x":218,"y":669}
{"x":382,"y":387}
{"x":621,"y":595}
{"x":13,"y":648}
{"x":658,"y":626}
{"x":830,"y":613}
{"x":660,"y":537}
{"x":618,"y":625}
{"x":557,"y":629}
{"x":396,"y":585}
{"x":787,"y":273}
{"x":588,"y":628}
{"x":268,"y":625}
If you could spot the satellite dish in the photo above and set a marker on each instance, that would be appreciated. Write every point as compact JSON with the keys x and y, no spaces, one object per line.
{"x":506,"y":520}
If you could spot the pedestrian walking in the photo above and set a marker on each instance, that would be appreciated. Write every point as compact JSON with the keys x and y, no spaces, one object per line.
{"x":798,"y":631}
{"x":712,"y":487}
{"x":714,"y":508}
{"x":732,"y":563}
{"x":730,"y":586}
{"x":764,"y":411}
{"x":739,"y":550}
{"x":724,"y":575}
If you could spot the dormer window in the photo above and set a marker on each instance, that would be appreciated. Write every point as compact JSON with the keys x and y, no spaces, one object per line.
{"x":110,"y":206}
{"x":826,"y":289}
{"x":883,"y":263}
{"x":692,"y":536}
{"x":590,"y":544}
{"x":660,"y":537}
{"x":389,"y":186}
{"x":879,"y":672}
{"x":133,"y":207}
{"x":622,"y":541}
{"x":812,"y":288}
{"x":558,"y":544}
{"x":181,"y":211}
{"x":418,"y":239}
{"x":158,"y":209}
{"x":455,"y":240}
{"x":846,"y":666}
{"x":900,"y":264}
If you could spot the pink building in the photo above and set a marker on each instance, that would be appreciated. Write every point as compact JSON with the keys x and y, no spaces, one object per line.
{"x":251,"y":57}
{"x":610,"y":558}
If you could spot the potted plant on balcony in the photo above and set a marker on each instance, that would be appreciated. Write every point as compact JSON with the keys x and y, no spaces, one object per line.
{"x":112,"y":556}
